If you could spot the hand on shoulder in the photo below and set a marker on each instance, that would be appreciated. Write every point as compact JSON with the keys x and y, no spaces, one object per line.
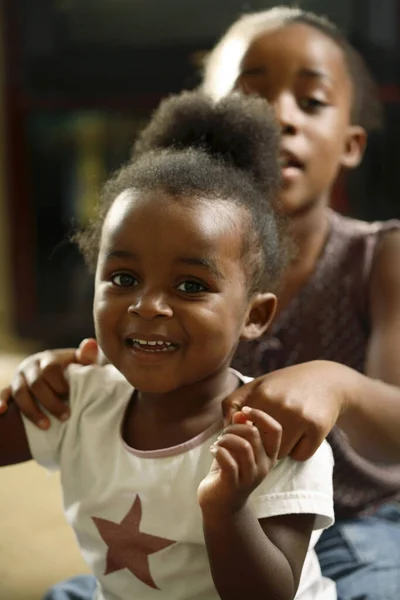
{"x":305,"y":399}
{"x":41,"y":378}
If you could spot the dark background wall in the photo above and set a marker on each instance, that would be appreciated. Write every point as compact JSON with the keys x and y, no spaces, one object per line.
{"x":82,"y":76}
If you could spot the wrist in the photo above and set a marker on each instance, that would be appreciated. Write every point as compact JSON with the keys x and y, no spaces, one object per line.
{"x":352,"y":383}
{"x":222,"y":517}
{"x":346,"y":384}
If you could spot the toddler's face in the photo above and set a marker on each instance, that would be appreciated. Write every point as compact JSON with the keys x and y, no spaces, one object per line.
{"x":171,"y":294}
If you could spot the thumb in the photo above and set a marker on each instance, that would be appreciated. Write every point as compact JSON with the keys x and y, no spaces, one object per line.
{"x":235,"y":401}
{"x":88,"y":352}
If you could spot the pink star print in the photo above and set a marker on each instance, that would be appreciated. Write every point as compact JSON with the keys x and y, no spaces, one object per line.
{"x":129,"y":548}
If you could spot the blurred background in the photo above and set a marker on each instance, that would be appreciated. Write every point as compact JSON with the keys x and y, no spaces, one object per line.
{"x":78,"y":79}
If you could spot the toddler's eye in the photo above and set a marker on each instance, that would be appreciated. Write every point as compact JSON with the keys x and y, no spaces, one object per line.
{"x":123,"y":280}
{"x":191,"y":287}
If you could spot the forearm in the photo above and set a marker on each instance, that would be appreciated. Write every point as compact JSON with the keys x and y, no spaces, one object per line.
{"x":244,"y":562}
{"x":371,"y":418}
{"x":14,"y":447}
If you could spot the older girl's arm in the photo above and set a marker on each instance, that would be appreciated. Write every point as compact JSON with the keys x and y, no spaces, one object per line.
{"x":13,"y":441}
{"x":371,"y":417}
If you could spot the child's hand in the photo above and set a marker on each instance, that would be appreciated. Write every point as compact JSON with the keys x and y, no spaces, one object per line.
{"x":41,"y":378}
{"x":306,"y":399}
{"x":244,"y":454}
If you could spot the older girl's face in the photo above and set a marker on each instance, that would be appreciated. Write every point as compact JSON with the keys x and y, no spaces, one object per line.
{"x":303,"y":75}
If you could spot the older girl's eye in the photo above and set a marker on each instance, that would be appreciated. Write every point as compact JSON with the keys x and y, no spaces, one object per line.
{"x":124,"y":280}
{"x":311,"y":104}
{"x":191,"y":287}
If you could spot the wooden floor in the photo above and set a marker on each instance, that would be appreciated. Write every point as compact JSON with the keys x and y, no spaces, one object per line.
{"x":37,"y":547}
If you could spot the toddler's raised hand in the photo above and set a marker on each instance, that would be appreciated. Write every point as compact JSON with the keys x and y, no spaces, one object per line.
{"x":244,"y":454}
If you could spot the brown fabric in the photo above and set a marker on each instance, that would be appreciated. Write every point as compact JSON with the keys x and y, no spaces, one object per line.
{"x":329,"y":319}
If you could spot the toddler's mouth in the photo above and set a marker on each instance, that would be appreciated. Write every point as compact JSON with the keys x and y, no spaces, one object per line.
{"x":151,"y":345}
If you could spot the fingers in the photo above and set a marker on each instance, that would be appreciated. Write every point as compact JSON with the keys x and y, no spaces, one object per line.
{"x":302,"y":435}
{"x":27,"y":402}
{"x":254,"y":446}
{"x":47,"y":384}
{"x":292,"y":421}
{"x":44,"y":381}
{"x":304,"y":425}
{"x":307,"y":445}
{"x":270,"y":430}
{"x":88,"y":352}
{"x":227,"y":464}
{"x":50,"y":372}
{"x":241,"y":451}
{"x":234,"y":402}
{"x":298,"y":439}
{"x":41,"y":378}
{"x":251,"y":439}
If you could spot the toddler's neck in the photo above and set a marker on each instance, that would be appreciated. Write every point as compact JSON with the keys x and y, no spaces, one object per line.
{"x":155,"y":421}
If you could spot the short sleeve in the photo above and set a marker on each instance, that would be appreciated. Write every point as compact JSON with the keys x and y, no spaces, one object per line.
{"x":89,"y":386}
{"x":298,"y":488}
{"x":45,"y":446}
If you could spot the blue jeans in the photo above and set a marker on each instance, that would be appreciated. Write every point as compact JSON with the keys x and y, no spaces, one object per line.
{"x":78,"y":588}
{"x":362,"y":555}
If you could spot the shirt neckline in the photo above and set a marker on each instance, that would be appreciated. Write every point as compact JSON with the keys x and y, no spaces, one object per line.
{"x":184,"y":447}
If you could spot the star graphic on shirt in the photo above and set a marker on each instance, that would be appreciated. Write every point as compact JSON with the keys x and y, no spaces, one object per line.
{"x":129,"y":548}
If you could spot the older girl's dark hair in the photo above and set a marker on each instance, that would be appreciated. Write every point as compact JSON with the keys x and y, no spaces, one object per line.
{"x":197,"y":149}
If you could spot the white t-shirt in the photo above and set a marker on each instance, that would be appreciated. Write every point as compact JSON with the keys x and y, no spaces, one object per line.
{"x":135,"y":513}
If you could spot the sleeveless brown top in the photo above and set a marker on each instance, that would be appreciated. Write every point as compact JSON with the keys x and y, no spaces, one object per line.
{"x":329,"y":319}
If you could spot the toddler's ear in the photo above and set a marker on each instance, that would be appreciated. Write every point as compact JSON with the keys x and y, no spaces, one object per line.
{"x":354,"y":147}
{"x":259,"y":316}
